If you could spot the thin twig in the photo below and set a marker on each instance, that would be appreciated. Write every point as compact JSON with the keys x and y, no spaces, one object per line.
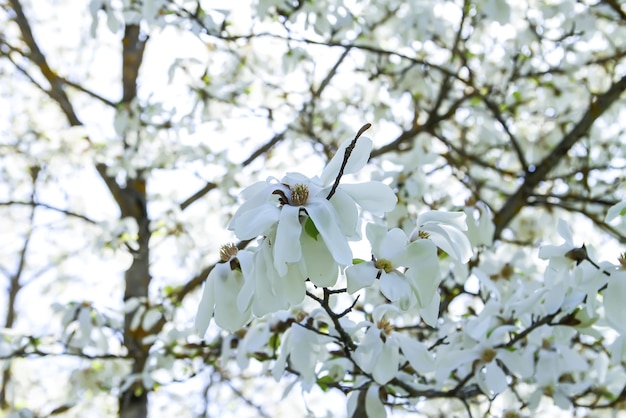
{"x":346,"y":156}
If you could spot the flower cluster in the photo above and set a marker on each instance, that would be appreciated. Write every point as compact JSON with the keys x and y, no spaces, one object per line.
{"x":303,"y":226}
{"x":397,"y":337}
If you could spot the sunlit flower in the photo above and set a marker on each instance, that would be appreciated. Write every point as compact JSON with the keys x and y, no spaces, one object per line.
{"x":221,"y":290}
{"x":298,"y":203}
{"x":446,"y":230}
{"x":393,"y":256}
{"x":382,"y":350}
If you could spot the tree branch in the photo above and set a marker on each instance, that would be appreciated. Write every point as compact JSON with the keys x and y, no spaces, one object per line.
{"x":599,"y":104}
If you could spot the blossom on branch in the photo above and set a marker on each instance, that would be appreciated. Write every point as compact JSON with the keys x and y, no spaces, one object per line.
{"x":221,"y":291}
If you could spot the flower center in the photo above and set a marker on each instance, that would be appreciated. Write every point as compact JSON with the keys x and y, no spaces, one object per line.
{"x":384,"y":264}
{"x":423,"y":235}
{"x":385,"y":326}
{"x":487,"y":355}
{"x":299,"y":195}
{"x":227,"y":251}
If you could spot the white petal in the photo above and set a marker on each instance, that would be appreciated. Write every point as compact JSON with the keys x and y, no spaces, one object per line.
{"x":321,"y":267}
{"x":565,"y":231}
{"x":358,"y":158}
{"x":393,"y":245}
{"x":360,"y":275}
{"x":520,"y":362}
{"x":292,"y":285}
{"x":451,"y":240}
{"x":430,"y":312}
{"x":287,"y":244}
{"x":375,"y":234}
{"x":323,"y":216}
{"x":456,"y":219}
{"x":368,"y":352}
{"x":495,"y":378}
{"x":394,"y":285}
{"x":423,"y":272}
{"x":227,"y":314}
{"x":386,"y":367}
{"x":268,"y":297}
{"x":615,"y":211}
{"x":480,"y":232}
{"x":207,"y":302}
{"x":416,"y":353}
{"x":255,"y":222}
{"x":347,"y":213}
{"x":372,"y":196}
{"x":614,"y":301}
{"x":373,"y":405}
{"x":246,"y":294}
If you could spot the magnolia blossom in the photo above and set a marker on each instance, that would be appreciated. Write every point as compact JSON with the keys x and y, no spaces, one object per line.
{"x":391,"y":251}
{"x":298,"y":203}
{"x":221,"y":291}
{"x":382,"y":350}
{"x":446,"y":230}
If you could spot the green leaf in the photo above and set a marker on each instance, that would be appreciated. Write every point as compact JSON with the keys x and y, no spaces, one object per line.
{"x":356,"y":261}
{"x":324,"y":382}
{"x":274,"y":341}
{"x":311,"y":229}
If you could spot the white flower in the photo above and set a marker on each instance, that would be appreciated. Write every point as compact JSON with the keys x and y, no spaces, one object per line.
{"x":382,"y":349}
{"x":267,"y":291}
{"x":446,"y":230}
{"x":556,"y":253}
{"x":221,"y":291}
{"x":298,"y":202}
{"x":301,"y":349}
{"x":392,"y":250}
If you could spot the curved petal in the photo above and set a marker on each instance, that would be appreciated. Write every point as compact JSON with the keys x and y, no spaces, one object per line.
{"x":614,"y":297}
{"x":246,"y":294}
{"x":267,"y":296}
{"x":357,"y":160}
{"x":565,"y":231}
{"x":323,"y":216}
{"x":615,"y":211}
{"x":207,"y":302}
{"x":373,"y":405}
{"x":430,"y":311}
{"x":287,"y":244}
{"x":321,"y":267}
{"x":393,"y":245}
{"x":416,"y":353}
{"x":423,"y":273}
{"x":456,"y":219}
{"x":373,"y":196}
{"x":360,"y":275}
{"x":386,"y":367}
{"x":347,"y":213}
{"x":394,"y":286}
{"x":256,"y":221}
{"x":450,"y":239}
{"x":227,"y":314}
{"x":367,"y":353}
{"x":375,"y":234}
{"x":292,"y":285}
